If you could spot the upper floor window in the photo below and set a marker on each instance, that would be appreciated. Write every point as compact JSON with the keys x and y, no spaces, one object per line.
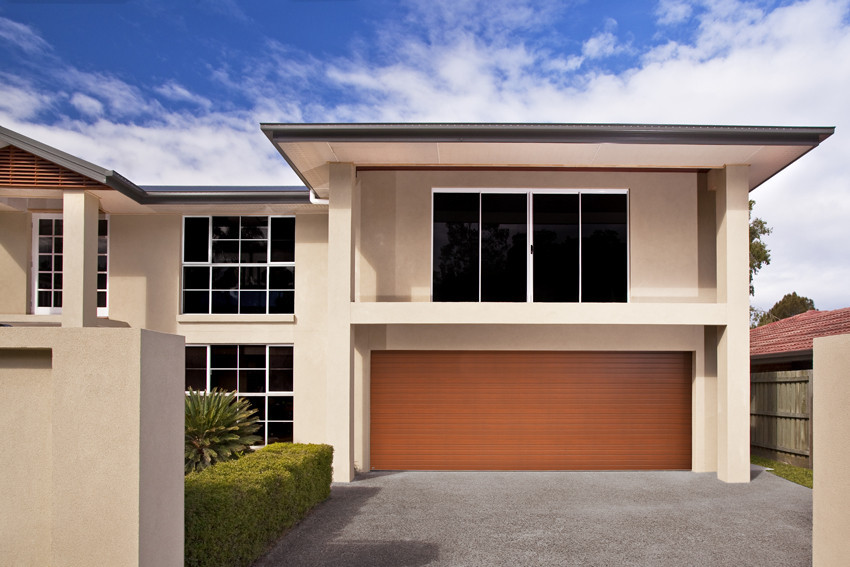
{"x":239,"y":264}
{"x":48,"y":247}
{"x":520,"y":245}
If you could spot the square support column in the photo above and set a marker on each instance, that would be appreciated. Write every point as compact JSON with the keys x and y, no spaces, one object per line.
{"x":79,"y":250}
{"x":340,"y":356}
{"x":733,"y":339}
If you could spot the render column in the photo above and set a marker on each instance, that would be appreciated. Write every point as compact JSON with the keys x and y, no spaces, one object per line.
{"x":79,"y":267}
{"x":340,"y":355}
{"x":733,"y":340}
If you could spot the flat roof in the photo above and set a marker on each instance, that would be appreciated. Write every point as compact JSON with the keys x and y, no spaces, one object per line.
{"x":309,"y":148}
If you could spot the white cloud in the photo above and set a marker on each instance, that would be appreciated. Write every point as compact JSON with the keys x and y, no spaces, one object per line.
{"x":22,"y":36}
{"x":174,"y":91}
{"x":21,"y":101}
{"x":671,"y":12}
{"x":87,"y":105}
{"x":603,"y":44}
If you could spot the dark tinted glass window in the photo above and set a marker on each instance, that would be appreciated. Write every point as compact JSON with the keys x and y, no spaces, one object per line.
{"x":225,"y":227}
{"x":223,"y":356}
{"x":240,"y":254}
{"x":196,"y":239}
{"x":504,"y":250}
{"x":280,"y":432}
{"x":456,"y":246}
{"x":604,"y":253}
{"x":556,"y":248}
{"x":282,"y":240}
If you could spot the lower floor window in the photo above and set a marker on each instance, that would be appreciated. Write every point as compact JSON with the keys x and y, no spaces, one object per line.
{"x":262,"y":374}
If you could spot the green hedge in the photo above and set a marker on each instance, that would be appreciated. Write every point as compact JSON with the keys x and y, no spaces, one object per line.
{"x":235,"y":510}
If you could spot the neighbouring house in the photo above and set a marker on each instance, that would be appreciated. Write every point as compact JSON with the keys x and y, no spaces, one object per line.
{"x":436,"y":296}
{"x":781,"y":367}
{"x":787,"y":344}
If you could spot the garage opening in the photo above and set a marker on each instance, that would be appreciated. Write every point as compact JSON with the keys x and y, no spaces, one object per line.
{"x":530,"y":410}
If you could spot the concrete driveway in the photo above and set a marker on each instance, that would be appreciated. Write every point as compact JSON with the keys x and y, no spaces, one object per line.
{"x":553,"y":518}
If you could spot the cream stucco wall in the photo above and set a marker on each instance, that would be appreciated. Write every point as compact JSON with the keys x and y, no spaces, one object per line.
{"x":310,"y":332}
{"x":95,"y":468}
{"x":831,"y":436}
{"x":15,"y":246}
{"x":144,"y":271}
{"x":26,"y":385}
{"x":667,"y":255}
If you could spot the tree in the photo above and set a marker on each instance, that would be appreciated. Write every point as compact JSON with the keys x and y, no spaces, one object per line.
{"x":759,"y":254}
{"x":790,"y":305}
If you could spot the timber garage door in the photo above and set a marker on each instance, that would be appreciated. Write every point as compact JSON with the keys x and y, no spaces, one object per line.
{"x":453,"y":410}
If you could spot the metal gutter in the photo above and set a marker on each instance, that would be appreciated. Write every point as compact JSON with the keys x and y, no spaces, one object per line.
{"x":161,"y":195}
{"x":548,"y":133}
{"x":785,"y":356}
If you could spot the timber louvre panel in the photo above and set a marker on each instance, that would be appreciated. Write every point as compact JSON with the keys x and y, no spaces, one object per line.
{"x":530,"y":410}
{"x":19,"y":168}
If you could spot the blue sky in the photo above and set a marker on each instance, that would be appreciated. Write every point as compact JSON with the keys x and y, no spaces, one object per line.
{"x":172,"y":92}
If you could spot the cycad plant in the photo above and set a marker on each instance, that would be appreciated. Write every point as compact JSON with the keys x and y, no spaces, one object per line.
{"x":219,"y":427}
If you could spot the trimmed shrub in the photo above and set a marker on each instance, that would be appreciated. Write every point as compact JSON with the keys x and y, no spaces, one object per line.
{"x":236,"y":509}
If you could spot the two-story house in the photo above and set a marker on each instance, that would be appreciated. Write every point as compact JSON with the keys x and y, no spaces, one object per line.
{"x":437,"y":296}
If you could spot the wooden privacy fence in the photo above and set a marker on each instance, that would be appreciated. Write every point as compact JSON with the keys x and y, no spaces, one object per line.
{"x":781,"y":415}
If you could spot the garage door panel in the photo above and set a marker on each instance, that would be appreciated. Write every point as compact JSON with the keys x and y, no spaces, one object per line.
{"x":530,"y":410}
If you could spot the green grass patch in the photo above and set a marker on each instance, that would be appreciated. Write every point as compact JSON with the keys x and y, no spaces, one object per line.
{"x":235,"y":509}
{"x":800,"y":475}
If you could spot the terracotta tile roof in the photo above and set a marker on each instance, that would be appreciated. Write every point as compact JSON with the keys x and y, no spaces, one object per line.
{"x":797,"y":333}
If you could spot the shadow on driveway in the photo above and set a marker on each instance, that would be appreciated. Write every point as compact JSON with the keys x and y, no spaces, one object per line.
{"x":321,"y":540}
{"x":553,"y":518}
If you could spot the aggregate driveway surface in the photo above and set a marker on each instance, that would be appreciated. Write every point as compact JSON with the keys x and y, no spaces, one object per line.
{"x":553,"y":518}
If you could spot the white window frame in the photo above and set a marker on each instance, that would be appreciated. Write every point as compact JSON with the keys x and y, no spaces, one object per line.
{"x":209,"y":263}
{"x":530,"y":192}
{"x":268,"y":393}
{"x":36,"y":310}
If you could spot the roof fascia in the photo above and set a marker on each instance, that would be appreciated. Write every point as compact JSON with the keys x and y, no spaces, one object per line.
{"x":551,"y":133}
{"x":789,"y":356}
{"x":270,"y":134}
{"x":235,"y":196}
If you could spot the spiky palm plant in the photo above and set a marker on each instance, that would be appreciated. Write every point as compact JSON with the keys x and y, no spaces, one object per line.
{"x":219,"y":427}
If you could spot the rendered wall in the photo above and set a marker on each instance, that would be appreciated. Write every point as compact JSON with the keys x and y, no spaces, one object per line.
{"x":15,"y":244}
{"x":831,"y":437}
{"x":100,"y":412}
{"x":26,"y":385}
{"x":664,"y":224}
{"x":310,"y":332}
{"x":144,"y":275}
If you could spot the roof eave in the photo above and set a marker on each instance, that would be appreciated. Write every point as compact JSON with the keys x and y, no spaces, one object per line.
{"x":551,"y":133}
{"x":785,"y":356}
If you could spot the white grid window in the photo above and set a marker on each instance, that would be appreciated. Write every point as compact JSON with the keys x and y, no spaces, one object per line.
{"x":262,"y":374}
{"x":47,"y":247}
{"x":239,"y":264}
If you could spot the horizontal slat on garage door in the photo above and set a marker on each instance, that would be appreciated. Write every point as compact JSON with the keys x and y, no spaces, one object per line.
{"x":530,"y":410}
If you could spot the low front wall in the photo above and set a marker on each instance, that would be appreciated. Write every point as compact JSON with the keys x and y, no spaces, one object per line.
{"x":831,"y":437}
{"x":92,"y":472}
